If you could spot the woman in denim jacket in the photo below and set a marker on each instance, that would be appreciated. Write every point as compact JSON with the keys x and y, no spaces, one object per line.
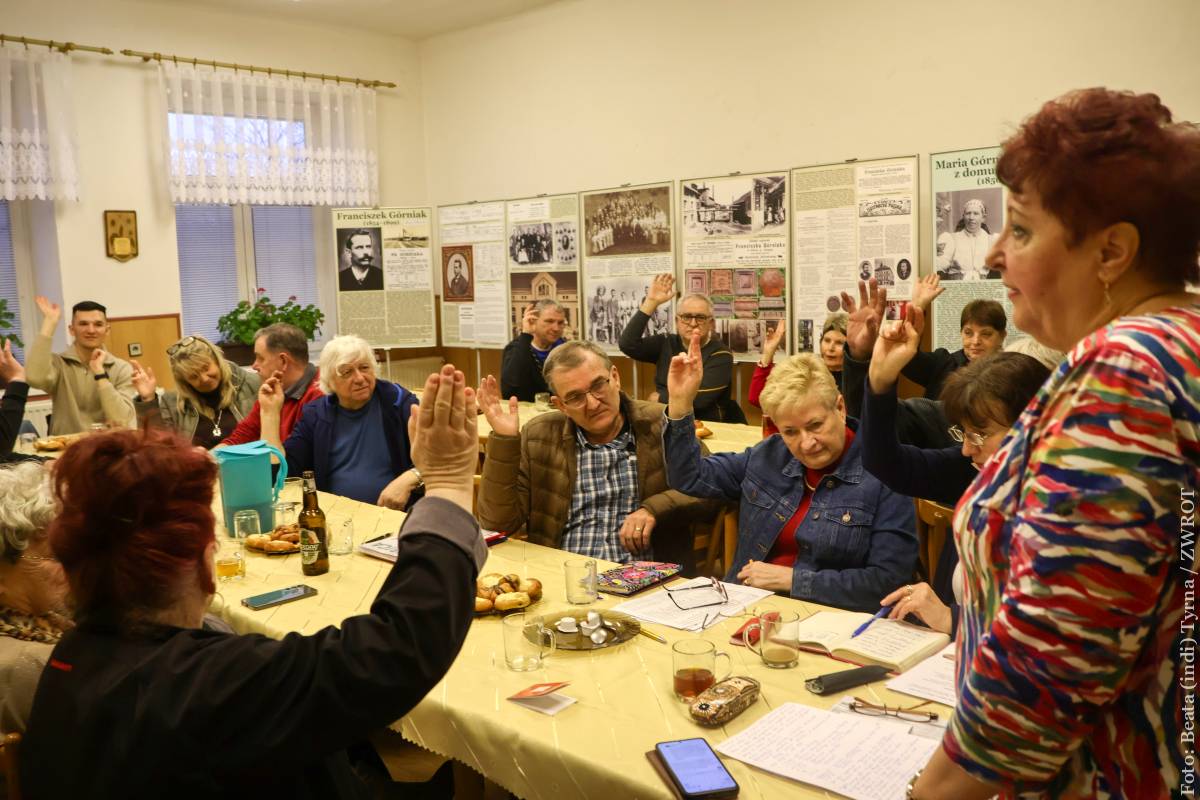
{"x":812,"y":522}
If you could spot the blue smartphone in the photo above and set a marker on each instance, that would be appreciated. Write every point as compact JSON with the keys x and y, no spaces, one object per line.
{"x":696,"y":770}
{"x":278,"y":597}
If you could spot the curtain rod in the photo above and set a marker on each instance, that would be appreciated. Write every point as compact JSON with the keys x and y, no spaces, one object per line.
{"x":290,"y":73}
{"x":62,"y":47}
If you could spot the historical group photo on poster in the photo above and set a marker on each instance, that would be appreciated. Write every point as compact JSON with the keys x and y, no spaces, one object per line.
{"x":359,"y":252}
{"x":628,"y":221}
{"x":968,"y":224}
{"x":526,"y":288}
{"x":738,"y":206}
{"x":566,"y":249}
{"x":458,"y":274}
{"x":614,"y":302}
{"x":531,"y":245}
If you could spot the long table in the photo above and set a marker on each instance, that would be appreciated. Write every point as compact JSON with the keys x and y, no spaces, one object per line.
{"x":593,"y":749}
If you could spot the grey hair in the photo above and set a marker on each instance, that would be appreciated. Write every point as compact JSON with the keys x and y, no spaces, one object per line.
{"x":339,"y":351}
{"x":837,"y":321}
{"x":696,"y":296}
{"x":285,"y":338}
{"x":28,"y":506}
{"x":569,"y":355}
{"x":543,"y":305}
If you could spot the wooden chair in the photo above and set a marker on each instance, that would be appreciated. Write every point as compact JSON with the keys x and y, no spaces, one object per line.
{"x":933,"y":526}
{"x":715,"y":542}
{"x":9,"y":744}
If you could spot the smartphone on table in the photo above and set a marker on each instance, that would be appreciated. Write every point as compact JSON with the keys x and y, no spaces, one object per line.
{"x":278,"y":597}
{"x":695,"y":770}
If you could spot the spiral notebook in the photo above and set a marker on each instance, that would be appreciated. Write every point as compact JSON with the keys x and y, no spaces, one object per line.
{"x":631,"y":578}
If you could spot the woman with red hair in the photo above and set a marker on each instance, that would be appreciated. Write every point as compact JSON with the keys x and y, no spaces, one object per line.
{"x":1073,"y":646}
{"x":138,"y":701}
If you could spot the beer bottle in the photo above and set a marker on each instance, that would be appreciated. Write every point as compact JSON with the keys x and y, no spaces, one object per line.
{"x":314,"y":552}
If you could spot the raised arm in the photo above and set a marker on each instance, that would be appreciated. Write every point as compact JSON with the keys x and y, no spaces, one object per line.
{"x":39,"y":362}
{"x":633,"y":341}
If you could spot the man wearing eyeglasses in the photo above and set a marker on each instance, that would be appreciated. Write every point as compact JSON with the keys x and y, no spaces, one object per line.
{"x":87,"y":384}
{"x":521,"y":367}
{"x":693,"y":315}
{"x":590,"y":479}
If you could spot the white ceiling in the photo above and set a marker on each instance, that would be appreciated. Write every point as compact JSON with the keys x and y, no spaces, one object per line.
{"x":413,"y":19}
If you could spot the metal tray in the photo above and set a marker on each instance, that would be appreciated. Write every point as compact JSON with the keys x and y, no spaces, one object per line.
{"x":620,"y":627}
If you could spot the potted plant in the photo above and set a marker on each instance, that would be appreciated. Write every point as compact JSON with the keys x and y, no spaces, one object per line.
{"x":7,"y":329}
{"x":239,"y":325}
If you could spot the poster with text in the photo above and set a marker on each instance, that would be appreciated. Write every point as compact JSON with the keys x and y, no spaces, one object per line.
{"x":628,"y":238}
{"x":968,"y":215}
{"x":735,"y":251}
{"x":850,"y":221}
{"x":543,"y":258}
{"x":473,"y":275}
{"x":384,"y":289}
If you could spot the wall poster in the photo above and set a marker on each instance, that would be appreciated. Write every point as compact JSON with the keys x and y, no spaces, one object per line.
{"x":384,"y":289}
{"x":968,"y":214}
{"x":543,"y":258}
{"x":735,"y":250}
{"x":851,"y":221}
{"x":473,"y":276}
{"x":628,"y":238}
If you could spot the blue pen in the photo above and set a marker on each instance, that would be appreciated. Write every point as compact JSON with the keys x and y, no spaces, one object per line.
{"x":878,"y":615}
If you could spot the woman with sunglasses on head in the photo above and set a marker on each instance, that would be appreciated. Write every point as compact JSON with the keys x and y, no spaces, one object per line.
{"x":211,"y":397}
{"x":1075,"y":652}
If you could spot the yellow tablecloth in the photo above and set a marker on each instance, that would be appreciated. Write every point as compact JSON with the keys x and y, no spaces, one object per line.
{"x":593,"y":749}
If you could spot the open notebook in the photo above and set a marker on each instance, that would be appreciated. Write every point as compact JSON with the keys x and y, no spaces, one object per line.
{"x":887,"y":642}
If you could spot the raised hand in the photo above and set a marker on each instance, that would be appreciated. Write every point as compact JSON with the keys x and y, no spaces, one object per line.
{"x":683,"y":379}
{"x":10,"y":368}
{"x":662,"y":289}
{"x":445,"y":437}
{"x":96,"y":362}
{"x":772,"y":342}
{"x":894,"y":348}
{"x":270,"y":394}
{"x":504,"y":421}
{"x":865,"y":318}
{"x":144,"y":381}
{"x":529,"y":319}
{"x":49,"y":310}
{"x":926,"y":290}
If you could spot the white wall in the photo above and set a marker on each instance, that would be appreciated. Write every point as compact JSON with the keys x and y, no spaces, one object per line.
{"x":587,"y":94}
{"x":114,"y":111}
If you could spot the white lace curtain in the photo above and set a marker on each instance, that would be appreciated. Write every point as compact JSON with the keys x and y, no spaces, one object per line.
{"x":37,"y":128}
{"x":238,"y":137}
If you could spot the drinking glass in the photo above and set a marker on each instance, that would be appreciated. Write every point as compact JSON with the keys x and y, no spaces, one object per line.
{"x":27,"y":440}
{"x":286,"y":513}
{"x":341,"y":537}
{"x":527,"y":642}
{"x":694,"y":667}
{"x":778,"y":644}
{"x":231,"y":558}
{"x":245,"y":523}
{"x":581,"y":581}
{"x":541,"y":401}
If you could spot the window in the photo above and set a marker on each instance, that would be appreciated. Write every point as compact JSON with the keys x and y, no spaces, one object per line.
{"x":8,"y":278}
{"x":227,"y":253}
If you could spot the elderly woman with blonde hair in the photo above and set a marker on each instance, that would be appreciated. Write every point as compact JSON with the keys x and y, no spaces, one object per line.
{"x":211,"y":396}
{"x":355,"y":438}
{"x":32,"y":589}
{"x":813,"y":524}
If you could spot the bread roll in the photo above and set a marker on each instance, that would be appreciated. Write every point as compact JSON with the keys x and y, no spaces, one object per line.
{"x":257,"y":541}
{"x":489,"y":593}
{"x":511,"y":600}
{"x":505,"y":587}
{"x":281,"y":547}
{"x":482,"y":605}
{"x":531,"y":587}
{"x":49,"y":444}
{"x":512,"y":578}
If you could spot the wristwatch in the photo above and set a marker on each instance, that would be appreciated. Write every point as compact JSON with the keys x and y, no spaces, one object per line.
{"x":100,"y":376}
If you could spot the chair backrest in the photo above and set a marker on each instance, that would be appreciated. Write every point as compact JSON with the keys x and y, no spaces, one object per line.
{"x":9,"y":744}
{"x":933,"y":527}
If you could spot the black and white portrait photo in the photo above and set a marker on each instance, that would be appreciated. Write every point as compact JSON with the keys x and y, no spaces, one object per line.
{"x":359,"y":253}
{"x":458,"y":274}
{"x":566,"y":248}
{"x":903,"y":269}
{"x":531,"y":245}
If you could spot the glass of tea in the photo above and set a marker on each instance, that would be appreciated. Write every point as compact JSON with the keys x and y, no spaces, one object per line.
{"x":778,"y":644}
{"x":694,"y":667}
{"x":230,"y":559}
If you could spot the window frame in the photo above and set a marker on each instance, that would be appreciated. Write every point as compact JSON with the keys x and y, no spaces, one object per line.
{"x":18,"y":216}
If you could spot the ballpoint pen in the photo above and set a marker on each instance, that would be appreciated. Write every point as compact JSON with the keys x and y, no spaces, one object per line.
{"x":878,"y":614}
{"x":377,"y":538}
{"x":653,"y":636}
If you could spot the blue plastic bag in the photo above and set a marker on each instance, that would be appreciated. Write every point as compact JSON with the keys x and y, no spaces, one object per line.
{"x":245,"y":471}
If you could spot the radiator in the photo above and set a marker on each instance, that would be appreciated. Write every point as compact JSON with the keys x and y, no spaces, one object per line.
{"x":412,"y":372}
{"x":37,"y":411}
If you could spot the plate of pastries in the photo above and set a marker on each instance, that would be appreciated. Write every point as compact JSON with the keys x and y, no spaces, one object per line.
{"x":496,"y":593}
{"x":702,"y":430}
{"x":283,"y":540}
{"x":53,"y":444}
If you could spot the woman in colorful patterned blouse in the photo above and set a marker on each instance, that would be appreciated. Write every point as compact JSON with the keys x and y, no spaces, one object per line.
{"x":1076,"y":639}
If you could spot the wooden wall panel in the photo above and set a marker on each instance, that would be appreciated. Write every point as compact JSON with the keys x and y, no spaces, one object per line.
{"x":155,"y":334}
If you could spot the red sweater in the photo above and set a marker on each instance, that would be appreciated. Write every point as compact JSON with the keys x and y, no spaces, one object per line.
{"x":757,"y":382}
{"x":250,"y":428}
{"x":783,"y":552}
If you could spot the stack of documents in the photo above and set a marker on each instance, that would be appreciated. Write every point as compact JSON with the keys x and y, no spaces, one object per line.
{"x":849,"y":754}
{"x":660,"y":608}
{"x":932,"y":679}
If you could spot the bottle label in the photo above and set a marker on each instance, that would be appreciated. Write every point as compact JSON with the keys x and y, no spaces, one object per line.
{"x":310,"y":546}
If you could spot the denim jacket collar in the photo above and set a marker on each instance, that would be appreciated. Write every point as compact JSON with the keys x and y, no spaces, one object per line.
{"x":849,"y":469}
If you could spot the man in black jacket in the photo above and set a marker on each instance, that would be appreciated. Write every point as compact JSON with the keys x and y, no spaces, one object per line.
{"x":541,"y":331}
